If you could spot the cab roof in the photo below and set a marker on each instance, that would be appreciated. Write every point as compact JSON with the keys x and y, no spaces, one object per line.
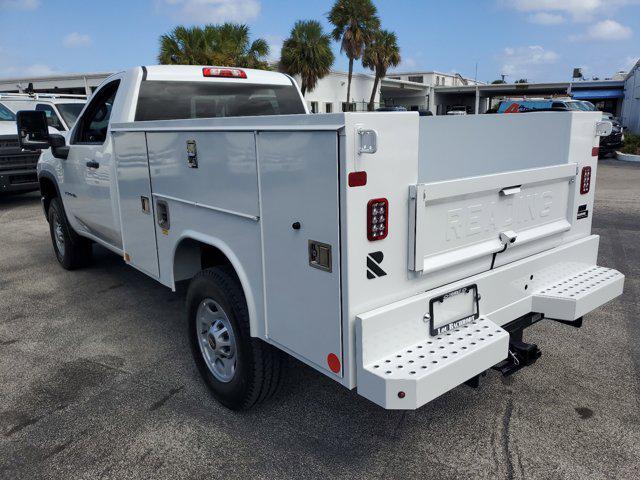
{"x":194,"y":73}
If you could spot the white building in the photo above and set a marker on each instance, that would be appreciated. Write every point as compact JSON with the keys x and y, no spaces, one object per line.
{"x":631,"y":101}
{"x":434,"y":79}
{"x":330,"y":94}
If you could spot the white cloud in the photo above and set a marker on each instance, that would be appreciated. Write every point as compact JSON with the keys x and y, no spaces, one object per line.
{"x":275,"y":46}
{"x":19,"y":4}
{"x":212,"y":11}
{"x":525,"y":61}
{"x":75,"y":39}
{"x":11,"y":66}
{"x":546,"y":18}
{"x":37,"y":70}
{"x":407,"y":64}
{"x":609,"y":30}
{"x":578,"y":10}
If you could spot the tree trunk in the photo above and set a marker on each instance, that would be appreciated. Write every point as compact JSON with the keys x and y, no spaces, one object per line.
{"x":303,"y":88}
{"x":349,"y":83}
{"x":373,"y":93}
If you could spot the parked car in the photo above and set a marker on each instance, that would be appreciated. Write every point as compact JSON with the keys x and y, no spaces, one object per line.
{"x":457,"y":110}
{"x":529,"y":105}
{"x":588,"y":106}
{"x":17,"y":166}
{"x":395,"y":108}
{"x":391,"y":253}
{"x":613,"y":142}
{"x":61,"y":110}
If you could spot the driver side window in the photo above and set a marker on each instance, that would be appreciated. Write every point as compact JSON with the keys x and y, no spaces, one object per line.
{"x":93,"y":125}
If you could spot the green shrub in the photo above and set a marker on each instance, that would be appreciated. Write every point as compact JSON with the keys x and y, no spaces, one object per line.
{"x":631,"y":144}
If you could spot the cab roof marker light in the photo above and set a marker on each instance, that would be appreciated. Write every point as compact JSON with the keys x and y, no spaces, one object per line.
{"x":223,"y":72}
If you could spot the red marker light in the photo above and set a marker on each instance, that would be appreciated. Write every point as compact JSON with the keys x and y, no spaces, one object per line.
{"x":585,"y":180}
{"x":357,"y":179}
{"x":223,"y":72}
{"x":334,"y":363}
{"x":377,"y":219}
{"x":595,"y":151}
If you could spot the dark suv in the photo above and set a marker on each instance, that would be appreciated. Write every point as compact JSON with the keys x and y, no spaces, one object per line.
{"x":612,"y":142}
{"x":17,"y":166}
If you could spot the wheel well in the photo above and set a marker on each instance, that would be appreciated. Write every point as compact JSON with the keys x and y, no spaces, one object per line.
{"x":192,"y":256}
{"x":48,"y":191}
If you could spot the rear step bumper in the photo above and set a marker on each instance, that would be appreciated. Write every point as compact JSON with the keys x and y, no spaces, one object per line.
{"x":400,"y":366}
{"x":425,"y":370}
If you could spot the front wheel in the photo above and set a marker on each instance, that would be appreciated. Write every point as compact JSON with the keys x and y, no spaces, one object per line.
{"x":241,"y":371}
{"x":72,"y":250}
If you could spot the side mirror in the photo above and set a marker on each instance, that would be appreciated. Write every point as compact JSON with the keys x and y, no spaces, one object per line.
{"x":33,"y":131}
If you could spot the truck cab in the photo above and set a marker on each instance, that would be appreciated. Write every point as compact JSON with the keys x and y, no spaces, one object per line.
{"x":61,"y":110}
{"x":85,"y":173}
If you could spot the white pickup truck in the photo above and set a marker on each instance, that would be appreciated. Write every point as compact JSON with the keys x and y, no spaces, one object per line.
{"x":397,"y":254}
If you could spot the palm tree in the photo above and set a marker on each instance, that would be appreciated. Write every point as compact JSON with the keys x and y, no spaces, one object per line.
{"x":354,"y":23}
{"x":307,"y":52}
{"x":380,"y":54}
{"x":183,"y":46}
{"x":227,"y":44}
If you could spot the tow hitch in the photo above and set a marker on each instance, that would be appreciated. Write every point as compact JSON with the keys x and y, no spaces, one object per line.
{"x":521,"y":354}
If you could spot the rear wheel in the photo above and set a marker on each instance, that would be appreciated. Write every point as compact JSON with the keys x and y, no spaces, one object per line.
{"x":241,"y":371}
{"x":72,"y":250}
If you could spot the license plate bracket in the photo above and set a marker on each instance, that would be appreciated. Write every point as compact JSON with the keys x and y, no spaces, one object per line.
{"x":453,"y":309}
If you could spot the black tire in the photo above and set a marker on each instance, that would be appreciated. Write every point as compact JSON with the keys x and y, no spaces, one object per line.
{"x":258,"y":365}
{"x":75,"y":251}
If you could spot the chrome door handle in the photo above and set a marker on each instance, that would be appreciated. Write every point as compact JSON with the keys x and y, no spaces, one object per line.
{"x":511,"y":190}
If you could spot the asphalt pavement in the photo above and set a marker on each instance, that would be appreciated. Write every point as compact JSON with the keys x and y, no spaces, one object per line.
{"x":97,"y":381}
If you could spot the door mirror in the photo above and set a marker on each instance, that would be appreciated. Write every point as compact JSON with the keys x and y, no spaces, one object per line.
{"x":33,"y":130}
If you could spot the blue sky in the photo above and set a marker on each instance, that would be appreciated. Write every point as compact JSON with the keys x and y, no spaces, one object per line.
{"x":541,"y":40}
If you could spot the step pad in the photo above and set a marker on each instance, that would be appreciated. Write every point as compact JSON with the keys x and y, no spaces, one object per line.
{"x":431,"y":367}
{"x":579,"y":293}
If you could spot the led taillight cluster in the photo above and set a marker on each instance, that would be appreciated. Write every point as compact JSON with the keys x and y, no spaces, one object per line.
{"x":377,"y":219}
{"x":585,"y":180}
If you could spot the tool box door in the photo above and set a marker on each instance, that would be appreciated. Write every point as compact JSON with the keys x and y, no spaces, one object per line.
{"x":300,"y":216}
{"x":136,"y":205}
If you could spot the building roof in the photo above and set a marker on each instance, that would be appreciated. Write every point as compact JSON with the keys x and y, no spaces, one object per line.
{"x":523,"y":88}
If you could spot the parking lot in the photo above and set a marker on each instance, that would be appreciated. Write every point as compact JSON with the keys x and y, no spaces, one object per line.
{"x":97,"y":381}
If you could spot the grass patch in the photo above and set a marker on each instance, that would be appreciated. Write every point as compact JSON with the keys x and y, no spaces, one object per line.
{"x":631,"y":144}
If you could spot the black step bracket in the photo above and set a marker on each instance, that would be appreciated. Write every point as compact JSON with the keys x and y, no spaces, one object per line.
{"x":577,"y":323}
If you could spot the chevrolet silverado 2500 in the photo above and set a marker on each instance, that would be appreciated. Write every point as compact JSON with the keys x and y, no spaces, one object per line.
{"x":382,"y":249}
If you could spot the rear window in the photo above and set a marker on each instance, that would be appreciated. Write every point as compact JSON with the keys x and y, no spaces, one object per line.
{"x":180,"y":100}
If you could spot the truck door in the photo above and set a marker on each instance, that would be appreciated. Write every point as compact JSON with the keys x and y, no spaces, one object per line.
{"x":89,"y":186}
{"x":301,"y":243}
{"x":136,"y":206}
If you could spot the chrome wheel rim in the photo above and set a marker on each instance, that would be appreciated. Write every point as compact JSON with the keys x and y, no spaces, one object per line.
{"x":58,"y":234}
{"x":216,"y":340}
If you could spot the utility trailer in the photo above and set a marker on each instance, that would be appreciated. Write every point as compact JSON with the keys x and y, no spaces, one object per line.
{"x":397,"y":254}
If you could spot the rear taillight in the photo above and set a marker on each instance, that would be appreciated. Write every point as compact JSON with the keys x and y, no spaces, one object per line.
{"x":595,"y":151}
{"x":223,"y":72}
{"x":585,"y":180}
{"x":377,"y":219}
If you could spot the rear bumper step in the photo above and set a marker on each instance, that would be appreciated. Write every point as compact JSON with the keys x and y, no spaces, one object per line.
{"x":417,"y":374}
{"x":400,"y":366}
{"x":571,"y":298}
